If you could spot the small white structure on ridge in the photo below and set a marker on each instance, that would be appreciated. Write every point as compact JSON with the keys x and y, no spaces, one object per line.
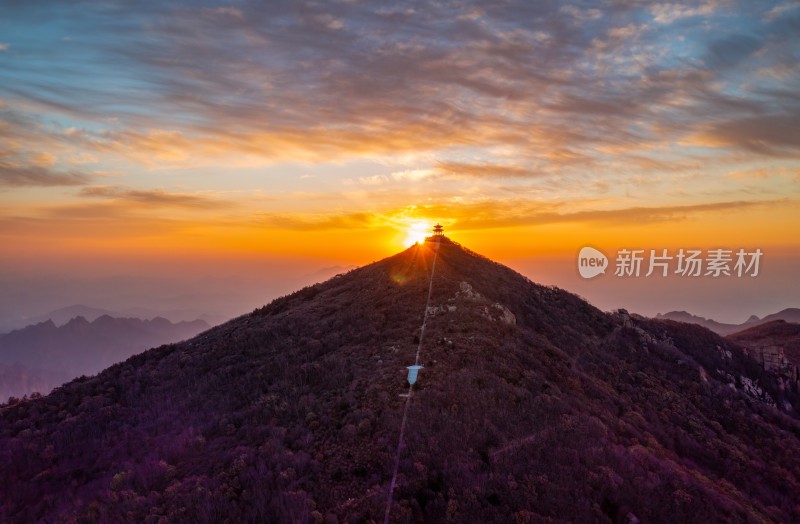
{"x":412,"y":373}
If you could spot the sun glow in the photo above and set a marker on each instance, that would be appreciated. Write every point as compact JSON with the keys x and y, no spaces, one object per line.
{"x":416,"y":232}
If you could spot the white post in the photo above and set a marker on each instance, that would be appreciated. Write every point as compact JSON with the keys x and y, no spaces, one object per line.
{"x":412,"y":373}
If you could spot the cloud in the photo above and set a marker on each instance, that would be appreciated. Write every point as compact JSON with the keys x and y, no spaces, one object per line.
{"x":527,"y":88}
{"x":87,"y":221}
{"x":731,"y":50}
{"x":402,"y":177}
{"x":491,"y":214}
{"x":309,"y":222}
{"x":12,"y":175}
{"x":748,"y":174}
{"x":773,"y":135}
{"x":44,"y":160}
{"x":529,"y":216}
{"x":231,"y":12}
{"x":582,"y":14}
{"x":762,"y":174}
{"x":82,"y":158}
{"x":666,"y":13}
{"x":485,"y":170}
{"x":33,"y":153}
{"x":779,"y":9}
{"x":153,"y":197}
{"x":3,"y":47}
{"x":451,"y":171}
{"x":648,"y":215}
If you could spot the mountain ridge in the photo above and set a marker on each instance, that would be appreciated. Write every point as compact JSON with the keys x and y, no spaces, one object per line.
{"x":64,"y":314}
{"x":722,"y":328}
{"x":291,"y":414}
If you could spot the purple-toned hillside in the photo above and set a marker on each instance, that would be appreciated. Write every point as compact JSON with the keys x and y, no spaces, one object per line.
{"x":776,"y":345}
{"x":532,"y":406}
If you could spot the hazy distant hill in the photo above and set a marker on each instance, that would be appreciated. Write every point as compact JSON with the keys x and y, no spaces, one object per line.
{"x":789,"y":315}
{"x":43,"y":356}
{"x":12,"y":321}
{"x":63,"y":315}
{"x":533,"y":406}
{"x":213,"y":298}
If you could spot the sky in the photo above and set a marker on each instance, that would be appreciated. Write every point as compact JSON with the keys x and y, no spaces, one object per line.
{"x":230,"y":152}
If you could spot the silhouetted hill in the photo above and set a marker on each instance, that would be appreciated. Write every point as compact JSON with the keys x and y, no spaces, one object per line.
{"x":791,"y":314}
{"x":13,"y":321}
{"x":788,"y":315}
{"x":533,"y":406}
{"x":717,"y":327}
{"x":63,"y":315}
{"x":42,"y":356}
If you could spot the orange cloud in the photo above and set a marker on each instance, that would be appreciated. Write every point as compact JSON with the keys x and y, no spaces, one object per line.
{"x":153,"y":198}
{"x":14,"y":175}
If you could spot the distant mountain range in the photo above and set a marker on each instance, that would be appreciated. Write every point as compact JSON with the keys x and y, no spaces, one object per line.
{"x":788,"y":315}
{"x":212,"y":300}
{"x":44,"y":355}
{"x":63,"y":315}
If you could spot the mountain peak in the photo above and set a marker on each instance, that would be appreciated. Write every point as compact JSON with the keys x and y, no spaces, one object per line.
{"x":532,"y":405}
{"x":79,"y":320}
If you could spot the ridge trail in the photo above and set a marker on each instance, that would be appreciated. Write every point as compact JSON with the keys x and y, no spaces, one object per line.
{"x":390,"y":495}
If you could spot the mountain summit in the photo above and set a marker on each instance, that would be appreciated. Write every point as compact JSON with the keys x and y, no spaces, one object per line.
{"x":532,"y":406}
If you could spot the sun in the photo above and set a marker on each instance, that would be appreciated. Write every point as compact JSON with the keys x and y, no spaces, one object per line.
{"x":416,"y":232}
